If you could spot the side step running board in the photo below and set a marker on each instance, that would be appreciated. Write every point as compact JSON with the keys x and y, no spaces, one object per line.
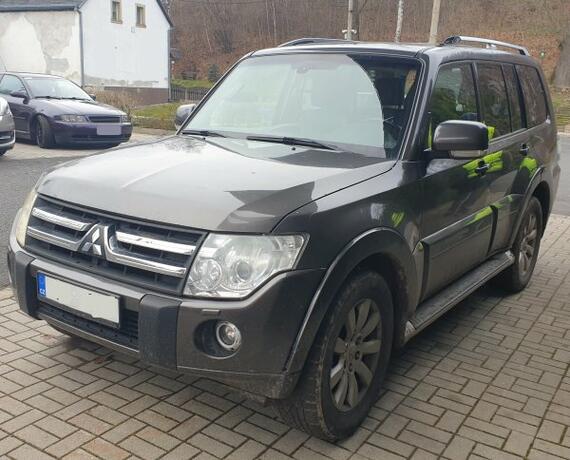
{"x":432,"y":308}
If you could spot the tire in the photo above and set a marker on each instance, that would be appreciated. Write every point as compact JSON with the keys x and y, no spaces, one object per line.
{"x":525,"y":249}
{"x":313,"y":407}
{"x":43,"y":134}
{"x":2,"y":152}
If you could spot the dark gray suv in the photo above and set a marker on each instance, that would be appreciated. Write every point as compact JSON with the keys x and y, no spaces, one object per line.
{"x":324,"y":203}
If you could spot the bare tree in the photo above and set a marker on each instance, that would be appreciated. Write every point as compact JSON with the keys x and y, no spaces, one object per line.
{"x":399,"y":21}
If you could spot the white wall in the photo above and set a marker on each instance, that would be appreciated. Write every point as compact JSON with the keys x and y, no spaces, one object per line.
{"x":44,"y":42}
{"x":123,"y":54}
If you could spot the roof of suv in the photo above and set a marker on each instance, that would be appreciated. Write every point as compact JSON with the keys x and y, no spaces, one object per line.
{"x":453,"y":48}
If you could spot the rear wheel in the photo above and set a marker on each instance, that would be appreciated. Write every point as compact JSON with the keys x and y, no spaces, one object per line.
{"x":43,"y":134}
{"x":347,"y":363}
{"x":525,"y":249}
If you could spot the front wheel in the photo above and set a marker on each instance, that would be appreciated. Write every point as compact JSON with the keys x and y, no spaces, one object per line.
{"x":43,"y":134}
{"x":2,"y":152}
{"x":525,"y":249}
{"x":347,"y":363}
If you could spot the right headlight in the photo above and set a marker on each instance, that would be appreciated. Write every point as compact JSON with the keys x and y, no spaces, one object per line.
{"x":73,"y":118}
{"x":4,"y":107}
{"x":24,"y":216}
{"x":233,"y":266}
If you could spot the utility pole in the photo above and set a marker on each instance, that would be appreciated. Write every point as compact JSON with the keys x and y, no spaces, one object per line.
{"x":350,"y":32}
{"x":399,"y":21}
{"x":434,"y":21}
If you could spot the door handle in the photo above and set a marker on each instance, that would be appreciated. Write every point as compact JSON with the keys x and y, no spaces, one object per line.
{"x":524,"y":150}
{"x":482,"y":168}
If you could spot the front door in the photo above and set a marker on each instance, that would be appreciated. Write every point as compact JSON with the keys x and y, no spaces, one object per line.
{"x":457,"y":223}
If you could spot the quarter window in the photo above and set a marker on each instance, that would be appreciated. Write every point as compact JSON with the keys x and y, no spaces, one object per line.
{"x":534,"y":96}
{"x":116,"y":13}
{"x":453,"y":96}
{"x":514,"y":97}
{"x":10,"y":83}
{"x":494,"y":100}
{"x":141,"y":16}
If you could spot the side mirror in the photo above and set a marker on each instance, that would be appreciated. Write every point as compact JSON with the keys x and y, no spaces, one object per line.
{"x":93,"y":96}
{"x":461,"y":139}
{"x":182,"y":114}
{"x":20,"y":95}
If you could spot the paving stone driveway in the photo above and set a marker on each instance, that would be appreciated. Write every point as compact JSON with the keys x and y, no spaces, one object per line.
{"x":489,"y":380}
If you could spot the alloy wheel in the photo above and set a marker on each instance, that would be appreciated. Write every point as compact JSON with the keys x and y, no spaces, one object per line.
{"x":528,"y":244}
{"x":355,"y":355}
{"x":39,"y":134}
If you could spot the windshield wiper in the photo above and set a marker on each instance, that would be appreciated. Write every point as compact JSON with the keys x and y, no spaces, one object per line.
{"x":73,"y":98}
{"x":47,"y":97}
{"x":292,"y":141}
{"x":203,"y":133}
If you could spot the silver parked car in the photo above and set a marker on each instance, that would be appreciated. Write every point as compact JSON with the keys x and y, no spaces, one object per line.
{"x":7,"y":133}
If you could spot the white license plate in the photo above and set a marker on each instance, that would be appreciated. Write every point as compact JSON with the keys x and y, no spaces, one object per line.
{"x":100,"y":307}
{"x":109,"y":130}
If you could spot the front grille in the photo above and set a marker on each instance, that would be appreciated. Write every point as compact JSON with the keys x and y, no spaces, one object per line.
{"x":105,"y":118}
{"x":152,"y":256}
{"x":127,"y":334}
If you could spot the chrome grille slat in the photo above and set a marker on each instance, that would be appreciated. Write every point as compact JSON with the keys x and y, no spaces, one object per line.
{"x":125,"y":249}
{"x":74,"y":223}
{"x":52,"y":238}
{"x":152,"y":243}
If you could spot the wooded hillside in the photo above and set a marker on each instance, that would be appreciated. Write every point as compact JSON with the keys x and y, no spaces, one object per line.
{"x":218,"y":32}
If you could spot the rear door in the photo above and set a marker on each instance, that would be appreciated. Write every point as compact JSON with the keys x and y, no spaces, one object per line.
{"x":500,"y":102}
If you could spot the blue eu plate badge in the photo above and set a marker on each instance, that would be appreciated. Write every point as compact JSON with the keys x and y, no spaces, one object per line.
{"x":41,"y":284}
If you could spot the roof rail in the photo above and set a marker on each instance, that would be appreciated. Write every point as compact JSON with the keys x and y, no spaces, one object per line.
{"x":459,"y":39}
{"x":309,"y":41}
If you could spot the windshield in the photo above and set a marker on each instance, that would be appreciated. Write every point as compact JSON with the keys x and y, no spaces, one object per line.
{"x":355,"y":103}
{"x":56,"y":88}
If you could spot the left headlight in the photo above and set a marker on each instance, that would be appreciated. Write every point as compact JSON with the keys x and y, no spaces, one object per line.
{"x":24,"y":216}
{"x":73,"y":118}
{"x":4,"y":107}
{"x":125,"y":119}
{"x":233,"y":266}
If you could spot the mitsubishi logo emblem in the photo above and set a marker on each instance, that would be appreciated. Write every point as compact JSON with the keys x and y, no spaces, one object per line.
{"x":93,"y":241}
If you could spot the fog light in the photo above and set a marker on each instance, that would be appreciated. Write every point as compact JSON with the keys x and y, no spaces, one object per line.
{"x":228,"y":335}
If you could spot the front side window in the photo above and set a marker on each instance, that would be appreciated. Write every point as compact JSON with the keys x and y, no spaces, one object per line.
{"x":534,"y":96}
{"x":453,"y":97}
{"x":141,"y":16}
{"x":116,"y":13}
{"x":10,"y":84}
{"x":494,"y":100}
{"x":55,"y":88}
{"x":357,"y":103}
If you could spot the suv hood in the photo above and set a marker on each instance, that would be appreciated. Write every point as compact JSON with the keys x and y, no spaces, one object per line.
{"x":216,"y":184}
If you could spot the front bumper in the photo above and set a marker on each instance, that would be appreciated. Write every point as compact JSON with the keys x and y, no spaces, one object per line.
{"x":169,"y":330}
{"x":87,"y":133}
{"x":7,"y":139}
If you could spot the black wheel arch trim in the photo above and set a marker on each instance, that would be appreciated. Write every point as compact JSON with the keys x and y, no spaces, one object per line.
{"x":536,"y":180}
{"x":382,"y":241}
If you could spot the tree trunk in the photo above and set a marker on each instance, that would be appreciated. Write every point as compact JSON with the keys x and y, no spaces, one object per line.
{"x":562,"y":72}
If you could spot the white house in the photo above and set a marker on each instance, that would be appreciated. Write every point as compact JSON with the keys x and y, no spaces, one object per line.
{"x":101,"y":44}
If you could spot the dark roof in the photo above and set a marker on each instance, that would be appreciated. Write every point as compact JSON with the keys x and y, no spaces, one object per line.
{"x":54,"y":5}
{"x":39,"y":5}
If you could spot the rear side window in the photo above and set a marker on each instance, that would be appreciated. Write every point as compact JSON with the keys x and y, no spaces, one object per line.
{"x":534,"y":96}
{"x":9,"y":84}
{"x":514,"y":97}
{"x":494,"y":100}
{"x":453,"y":96}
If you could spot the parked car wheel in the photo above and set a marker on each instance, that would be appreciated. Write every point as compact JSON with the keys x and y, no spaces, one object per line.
{"x":43,"y":134}
{"x":525,"y":249}
{"x":2,"y":152}
{"x":347,"y":363}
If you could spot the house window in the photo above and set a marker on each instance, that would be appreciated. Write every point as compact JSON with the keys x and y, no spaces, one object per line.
{"x":116,"y":13}
{"x":141,"y":16}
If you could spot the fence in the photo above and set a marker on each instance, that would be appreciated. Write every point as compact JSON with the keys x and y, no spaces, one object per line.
{"x":178,"y":93}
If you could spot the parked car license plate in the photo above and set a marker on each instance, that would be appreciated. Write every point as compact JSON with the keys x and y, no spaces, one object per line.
{"x":99,"y":307}
{"x":109,"y":130}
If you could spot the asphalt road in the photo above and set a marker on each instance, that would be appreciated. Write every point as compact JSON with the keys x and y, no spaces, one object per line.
{"x":21,"y":168}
